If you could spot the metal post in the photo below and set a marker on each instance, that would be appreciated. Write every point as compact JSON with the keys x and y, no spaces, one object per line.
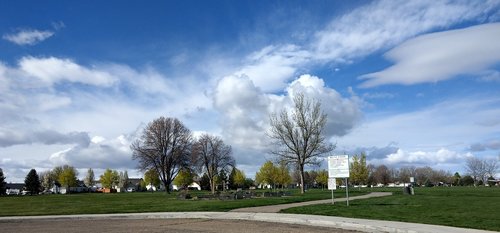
{"x":347,"y":191}
{"x":332,"y":198}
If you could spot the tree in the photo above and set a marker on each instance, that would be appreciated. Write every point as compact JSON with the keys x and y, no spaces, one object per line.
{"x":467,"y":181}
{"x":32,"y":182}
{"x":152,"y":179}
{"x":123,"y":180}
{"x":490,"y":167}
{"x":165,"y":146}
{"x":358,"y":170}
{"x":283,"y":175}
{"x":322,"y":178}
{"x":267,"y":174}
{"x":46,"y":180}
{"x":299,"y":137}
{"x":456,"y":179}
{"x":476,"y":168}
{"x":382,"y":175}
{"x":205,"y":182}
{"x":213,"y":157}
{"x":89,"y":179}
{"x":3,"y":184}
{"x":184,"y":179}
{"x":67,"y":177}
{"x":109,"y":179}
{"x":239,"y":178}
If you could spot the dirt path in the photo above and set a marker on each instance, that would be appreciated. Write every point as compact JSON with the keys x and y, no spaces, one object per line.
{"x":277,"y":208}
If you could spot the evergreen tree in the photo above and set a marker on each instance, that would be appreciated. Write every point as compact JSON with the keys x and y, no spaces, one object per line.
{"x":32,"y":182}
{"x":2,"y":183}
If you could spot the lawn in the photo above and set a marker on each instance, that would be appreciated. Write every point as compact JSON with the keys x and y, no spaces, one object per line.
{"x":466,"y":207}
{"x":99,"y":203}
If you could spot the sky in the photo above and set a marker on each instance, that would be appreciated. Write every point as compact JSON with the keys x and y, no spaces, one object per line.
{"x":410,"y":83}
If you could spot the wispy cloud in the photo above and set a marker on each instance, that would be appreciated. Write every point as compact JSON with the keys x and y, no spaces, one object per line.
{"x":28,"y":36}
{"x":440,"y":56}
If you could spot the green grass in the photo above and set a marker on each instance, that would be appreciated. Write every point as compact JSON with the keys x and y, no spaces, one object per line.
{"x":466,"y":207}
{"x":99,"y":203}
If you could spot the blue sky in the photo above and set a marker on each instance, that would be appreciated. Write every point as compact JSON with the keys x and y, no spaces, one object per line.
{"x":408,"y":82}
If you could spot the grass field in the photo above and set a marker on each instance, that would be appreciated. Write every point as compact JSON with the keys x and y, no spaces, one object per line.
{"x":466,"y":207}
{"x":99,"y":203}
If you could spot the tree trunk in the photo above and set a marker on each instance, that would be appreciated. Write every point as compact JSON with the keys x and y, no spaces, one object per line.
{"x":301,"y":179}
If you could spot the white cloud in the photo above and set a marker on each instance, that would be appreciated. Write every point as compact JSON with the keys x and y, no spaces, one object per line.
{"x":454,"y":125}
{"x":53,"y":70}
{"x":384,"y":24}
{"x":440,"y":56}
{"x":245,"y":109}
{"x":28,"y":36}
{"x":272,"y":67}
{"x":419,"y":158}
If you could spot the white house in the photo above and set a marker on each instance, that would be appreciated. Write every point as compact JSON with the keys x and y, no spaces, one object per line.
{"x":194,"y":185}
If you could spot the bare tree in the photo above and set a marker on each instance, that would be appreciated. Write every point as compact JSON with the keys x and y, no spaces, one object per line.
{"x":213,"y":156}
{"x":165,"y":146}
{"x":490,"y":167}
{"x":298,"y":137}
{"x":475,"y":167}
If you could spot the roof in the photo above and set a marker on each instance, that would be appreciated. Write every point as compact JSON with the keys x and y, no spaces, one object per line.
{"x":15,"y":186}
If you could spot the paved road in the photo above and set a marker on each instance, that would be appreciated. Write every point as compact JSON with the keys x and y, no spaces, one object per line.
{"x":277,"y":208}
{"x":157,"y":225}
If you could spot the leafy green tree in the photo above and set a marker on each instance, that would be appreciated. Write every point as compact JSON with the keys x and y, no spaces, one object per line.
{"x":67,"y":178}
{"x":32,"y":182}
{"x":283,"y":175}
{"x":89,"y":179}
{"x":110,"y":178}
{"x":3,"y":184}
{"x":239,"y":178}
{"x":184,"y":179}
{"x":267,"y":174}
{"x":322,"y":178}
{"x":152,"y":178}
{"x":359,"y":170}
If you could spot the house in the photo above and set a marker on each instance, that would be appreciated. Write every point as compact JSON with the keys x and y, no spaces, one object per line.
{"x":79,"y":188}
{"x":193,"y":185}
{"x":134,"y":184}
{"x":14,"y":188}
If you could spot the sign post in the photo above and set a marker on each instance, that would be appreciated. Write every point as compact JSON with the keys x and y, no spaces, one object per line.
{"x":332,"y":185}
{"x":338,"y":167}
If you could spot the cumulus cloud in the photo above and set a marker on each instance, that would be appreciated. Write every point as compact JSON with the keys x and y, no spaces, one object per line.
{"x":99,"y":154}
{"x":440,"y":56}
{"x":245,"y":108}
{"x":272,"y":67}
{"x":28,"y":36}
{"x":419,"y":158}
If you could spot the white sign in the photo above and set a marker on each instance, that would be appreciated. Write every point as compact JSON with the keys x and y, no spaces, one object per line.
{"x":338,"y":166}
{"x":412,"y":179}
{"x":332,"y":184}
